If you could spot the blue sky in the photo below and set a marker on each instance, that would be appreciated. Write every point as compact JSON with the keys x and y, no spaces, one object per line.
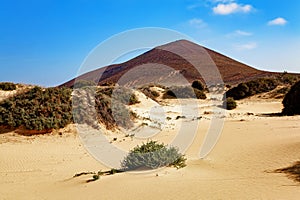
{"x":45,"y":41}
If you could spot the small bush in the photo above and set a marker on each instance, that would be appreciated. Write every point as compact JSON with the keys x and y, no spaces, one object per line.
{"x":244,"y":90}
{"x":182,"y":92}
{"x":121,"y":94}
{"x":198,"y":85}
{"x":291,"y":101}
{"x":7,"y":86}
{"x":152,"y":94}
{"x":199,"y":94}
{"x":230,"y":103}
{"x":153,"y":155}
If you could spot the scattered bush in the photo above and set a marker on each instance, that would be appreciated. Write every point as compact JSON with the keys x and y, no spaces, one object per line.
{"x":8,"y":86}
{"x":152,"y":94}
{"x":153,"y":155}
{"x":52,"y":108}
{"x":283,"y":90}
{"x":97,"y":176}
{"x":290,"y":79}
{"x":244,"y":90}
{"x":91,"y":107}
{"x":230,"y":103}
{"x":37,"y":109}
{"x":183,"y":92}
{"x":199,"y":94}
{"x":83,"y":83}
{"x":291,"y":101}
{"x":198,"y":85}
{"x":121,"y":94}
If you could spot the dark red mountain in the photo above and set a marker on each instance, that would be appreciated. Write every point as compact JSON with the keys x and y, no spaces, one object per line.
{"x":175,"y":63}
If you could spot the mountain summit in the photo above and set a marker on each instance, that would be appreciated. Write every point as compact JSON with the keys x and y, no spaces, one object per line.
{"x":175,"y":63}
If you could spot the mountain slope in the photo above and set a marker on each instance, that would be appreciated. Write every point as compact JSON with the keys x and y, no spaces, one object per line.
{"x":175,"y":63}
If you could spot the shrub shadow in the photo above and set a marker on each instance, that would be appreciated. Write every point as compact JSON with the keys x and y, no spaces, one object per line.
{"x":5,"y":129}
{"x":270,"y":115}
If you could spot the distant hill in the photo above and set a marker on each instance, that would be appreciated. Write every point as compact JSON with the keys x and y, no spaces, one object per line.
{"x":174,"y":64}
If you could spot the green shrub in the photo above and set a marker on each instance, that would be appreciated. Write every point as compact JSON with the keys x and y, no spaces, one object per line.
{"x":198,"y":85}
{"x":291,"y":101}
{"x":152,"y":94}
{"x":121,"y":94}
{"x":153,"y":155}
{"x":6,"y":86}
{"x":37,"y":109}
{"x":244,"y":90}
{"x":183,"y":92}
{"x":91,"y":107}
{"x":199,"y":94}
{"x":230,"y":103}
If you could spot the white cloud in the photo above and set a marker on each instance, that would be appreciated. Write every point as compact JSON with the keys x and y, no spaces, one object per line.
{"x":197,"y":23}
{"x":206,"y":3}
{"x":222,"y":1}
{"x":192,"y":6}
{"x":230,"y":8}
{"x":247,"y":46}
{"x":242,"y":33}
{"x":239,"y":33}
{"x":278,"y":22}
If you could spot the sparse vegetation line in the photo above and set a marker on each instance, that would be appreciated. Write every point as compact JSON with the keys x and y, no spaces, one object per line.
{"x":293,"y":172}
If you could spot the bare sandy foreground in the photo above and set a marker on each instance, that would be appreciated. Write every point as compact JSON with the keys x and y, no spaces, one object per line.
{"x":42,"y":167}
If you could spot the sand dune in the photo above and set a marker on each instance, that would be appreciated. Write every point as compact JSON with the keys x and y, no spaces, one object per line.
{"x":41,"y":167}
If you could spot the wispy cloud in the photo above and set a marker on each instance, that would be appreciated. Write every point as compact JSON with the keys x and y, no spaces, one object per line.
{"x":206,"y":3}
{"x":239,"y":33}
{"x":247,"y":46}
{"x":193,"y":6}
{"x":230,"y":8}
{"x":243,"y":33}
{"x":222,"y":1}
{"x":197,"y":23}
{"x":278,"y":22}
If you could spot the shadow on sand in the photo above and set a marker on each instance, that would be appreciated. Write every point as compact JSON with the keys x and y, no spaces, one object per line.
{"x":270,"y":115}
{"x":5,"y":129}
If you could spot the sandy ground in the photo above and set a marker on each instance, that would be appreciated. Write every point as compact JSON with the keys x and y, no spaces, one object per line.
{"x":41,"y":167}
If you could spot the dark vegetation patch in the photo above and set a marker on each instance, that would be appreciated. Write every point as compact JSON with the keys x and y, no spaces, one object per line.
{"x":153,"y":155}
{"x":229,"y":103}
{"x":289,"y":79}
{"x":198,"y":85}
{"x":37,"y":109}
{"x":120,"y":94}
{"x":183,"y":92}
{"x":291,"y":101}
{"x":6,"y":86}
{"x":97,"y":175}
{"x":244,"y":90}
{"x":149,"y":92}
